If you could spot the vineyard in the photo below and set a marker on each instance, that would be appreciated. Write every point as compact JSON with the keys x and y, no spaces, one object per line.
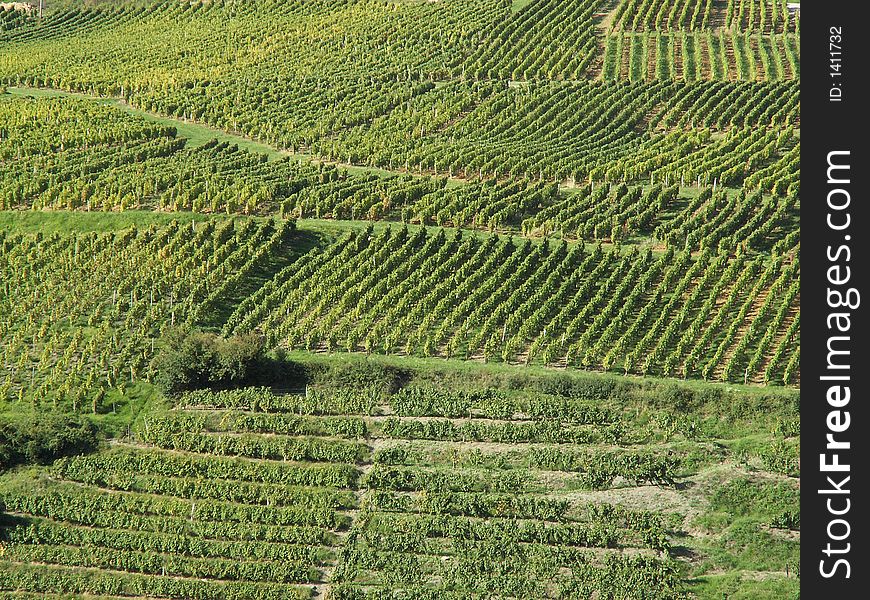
{"x":442,"y":295}
{"x":114,"y":294}
{"x":770,"y":16}
{"x":451,"y":101}
{"x":70,"y":154}
{"x":690,"y":311}
{"x":356,"y":492}
{"x":391,"y":299}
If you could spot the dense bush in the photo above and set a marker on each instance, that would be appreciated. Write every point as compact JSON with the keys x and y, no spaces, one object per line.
{"x":43,"y":438}
{"x":191,"y":359}
{"x":357,"y":374}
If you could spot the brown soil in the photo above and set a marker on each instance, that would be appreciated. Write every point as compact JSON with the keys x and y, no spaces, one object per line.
{"x":677,"y":57}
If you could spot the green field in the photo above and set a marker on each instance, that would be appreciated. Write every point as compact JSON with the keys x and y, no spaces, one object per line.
{"x":382,"y":299}
{"x":438,"y":478}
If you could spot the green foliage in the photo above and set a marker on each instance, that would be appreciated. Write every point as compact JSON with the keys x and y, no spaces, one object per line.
{"x":206,"y":467}
{"x":412,"y":479}
{"x":614,"y":187}
{"x":58,"y":580}
{"x":186,"y":432}
{"x":505,"y":432}
{"x":416,"y":401}
{"x":441,"y":295}
{"x":190,"y":359}
{"x":41,"y":439}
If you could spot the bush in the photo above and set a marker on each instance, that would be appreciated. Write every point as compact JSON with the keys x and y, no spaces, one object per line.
{"x":357,"y":374}
{"x":43,"y":438}
{"x":191,"y":359}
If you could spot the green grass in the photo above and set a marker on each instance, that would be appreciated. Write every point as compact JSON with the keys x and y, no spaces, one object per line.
{"x":126,"y":408}
{"x":518,"y":5}
{"x":500,"y":371}
{"x":740,"y":586}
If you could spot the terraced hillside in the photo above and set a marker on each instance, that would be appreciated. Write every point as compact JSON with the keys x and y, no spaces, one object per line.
{"x":355,"y":492}
{"x":381,"y":299}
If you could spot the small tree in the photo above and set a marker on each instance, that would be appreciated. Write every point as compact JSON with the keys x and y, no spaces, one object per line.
{"x":190,"y":359}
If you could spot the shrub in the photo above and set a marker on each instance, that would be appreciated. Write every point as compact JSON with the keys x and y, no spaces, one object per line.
{"x":191,"y":359}
{"x":39,"y":439}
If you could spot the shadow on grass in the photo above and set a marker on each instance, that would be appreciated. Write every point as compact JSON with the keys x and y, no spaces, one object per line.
{"x":299,"y":244}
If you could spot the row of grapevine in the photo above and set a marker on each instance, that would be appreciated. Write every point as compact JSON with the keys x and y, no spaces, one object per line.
{"x":742,"y":15}
{"x":727,"y":56}
{"x":442,"y":295}
{"x":13,"y":16}
{"x":81,"y":312}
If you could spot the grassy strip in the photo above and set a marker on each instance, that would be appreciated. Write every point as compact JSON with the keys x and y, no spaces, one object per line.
{"x":462,"y":374}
